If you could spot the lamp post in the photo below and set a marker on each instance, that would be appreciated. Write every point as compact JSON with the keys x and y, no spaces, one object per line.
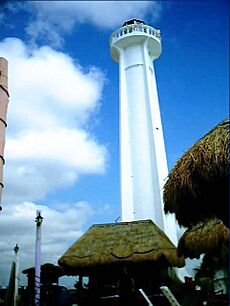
{"x":38,"y":221}
{"x":16,"y":277}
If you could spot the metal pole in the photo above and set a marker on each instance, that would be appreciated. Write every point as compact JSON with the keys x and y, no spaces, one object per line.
{"x":16,"y":277}
{"x":171,"y":298}
{"x":38,"y":221}
{"x":146,"y":297}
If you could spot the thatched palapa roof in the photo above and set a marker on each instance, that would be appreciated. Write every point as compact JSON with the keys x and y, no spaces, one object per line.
{"x":49,"y":274}
{"x":47,"y":269}
{"x":109,"y":244}
{"x":204,"y":237}
{"x":197,"y":186}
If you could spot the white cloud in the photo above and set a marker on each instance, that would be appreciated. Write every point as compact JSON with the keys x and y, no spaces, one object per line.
{"x":53,"y":18}
{"x":48,"y":86}
{"x":18,"y":226}
{"x":71,"y":148}
{"x":42,"y":161}
{"x":48,"y":147}
{"x":51,"y":99}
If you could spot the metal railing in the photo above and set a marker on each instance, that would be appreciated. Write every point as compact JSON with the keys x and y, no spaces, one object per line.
{"x":145,"y":297}
{"x":171,"y":298}
{"x":135,"y":28}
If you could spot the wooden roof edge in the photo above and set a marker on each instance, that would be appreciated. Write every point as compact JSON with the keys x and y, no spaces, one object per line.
{"x":122,"y":223}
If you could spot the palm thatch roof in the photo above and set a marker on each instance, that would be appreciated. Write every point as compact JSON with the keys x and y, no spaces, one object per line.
{"x":49,"y":274}
{"x":110,"y":244}
{"x":204,"y":237}
{"x":197,"y":186}
{"x":46,"y":268}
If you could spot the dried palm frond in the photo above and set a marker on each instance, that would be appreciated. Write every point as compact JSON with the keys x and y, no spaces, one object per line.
{"x":204,"y":237}
{"x":109,"y":244}
{"x":197,"y":186}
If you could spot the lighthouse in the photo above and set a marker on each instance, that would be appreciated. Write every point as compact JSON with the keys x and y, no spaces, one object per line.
{"x":143,"y":164}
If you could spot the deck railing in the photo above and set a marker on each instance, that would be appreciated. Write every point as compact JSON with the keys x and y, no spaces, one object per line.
{"x":134,"y":29}
{"x":146,"y":297}
{"x":171,"y":298}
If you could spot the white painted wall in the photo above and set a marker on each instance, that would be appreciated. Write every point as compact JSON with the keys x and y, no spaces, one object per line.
{"x":143,"y":163}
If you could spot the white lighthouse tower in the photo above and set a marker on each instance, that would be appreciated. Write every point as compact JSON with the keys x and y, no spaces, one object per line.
{"x":143,"y":164}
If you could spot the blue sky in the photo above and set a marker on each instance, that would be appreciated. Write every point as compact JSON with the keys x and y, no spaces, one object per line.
{"x":62,"y":137}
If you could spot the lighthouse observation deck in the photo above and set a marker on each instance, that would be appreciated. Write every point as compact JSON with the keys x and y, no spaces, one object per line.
{"x":135,"y":33}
